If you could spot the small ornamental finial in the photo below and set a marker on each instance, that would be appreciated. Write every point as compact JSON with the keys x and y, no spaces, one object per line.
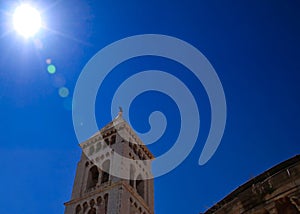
{"x":120,"y":111}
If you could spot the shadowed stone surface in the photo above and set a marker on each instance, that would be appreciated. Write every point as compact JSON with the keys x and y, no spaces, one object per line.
{"x":276,"y":191}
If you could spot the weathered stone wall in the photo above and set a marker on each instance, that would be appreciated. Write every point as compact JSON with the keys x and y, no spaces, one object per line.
{"x":276,"y":191}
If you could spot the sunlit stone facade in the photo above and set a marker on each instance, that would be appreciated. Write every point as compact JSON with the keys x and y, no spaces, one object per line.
{"x":96,"y":190}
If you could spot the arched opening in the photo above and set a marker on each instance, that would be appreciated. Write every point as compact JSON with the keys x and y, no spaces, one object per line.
{"x":100,"y":205}
{"x":91,"y":150}
{"x":92,"y":211}
{"x":78,"y":209}
{"x":107,"y":141}
{"x":284,"y":205}
{"x":113,"y":140}
{"x":93,"y":177}
{"x":105,"y":172}
{"x":98,"y":146}
{"x":85,"y":207}
{"x":99,"y":201}
{"x":132,"y":173}
{"x":140,"y":155}
{"x":140,"y":186}
{"x":105,"y":203}
{"x":135,"y":148}
{"x":296,"y":202}
{"x":92,"y":203}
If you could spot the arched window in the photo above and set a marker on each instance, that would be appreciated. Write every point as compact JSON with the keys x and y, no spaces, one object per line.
{"x":105,"y":203}
{"x":93,"y":177}
{"x":135,"y":148}
{"x":132,"y":173}
{"x":105,"y":172}
{"x":99,"y":201}
{"x":140,"y":186}
{"x":85,"y":207}
{"x":140,"y":155}
{"x":92,"y":211}
{"x":92,"y":203}
{"x":100,"y":205}
{"x":78,"y":209}
{"x":113,"y":140}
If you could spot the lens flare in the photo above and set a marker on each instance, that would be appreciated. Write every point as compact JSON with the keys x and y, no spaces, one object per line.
{"x":48,"y":61}
{"x":51,"y":69}
{"x":63,"y":92}
{"x":59,"y":80}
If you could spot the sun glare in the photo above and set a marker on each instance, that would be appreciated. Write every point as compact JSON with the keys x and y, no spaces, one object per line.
{"x":26,"y":20}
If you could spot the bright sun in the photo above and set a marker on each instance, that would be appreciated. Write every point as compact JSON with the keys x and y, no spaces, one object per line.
{"x":26,"y":20}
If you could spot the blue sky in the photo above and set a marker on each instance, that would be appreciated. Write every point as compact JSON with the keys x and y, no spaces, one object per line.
{"x":253,"y":46}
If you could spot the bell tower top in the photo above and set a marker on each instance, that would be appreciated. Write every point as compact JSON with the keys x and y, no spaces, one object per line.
{"x":114,"y":150}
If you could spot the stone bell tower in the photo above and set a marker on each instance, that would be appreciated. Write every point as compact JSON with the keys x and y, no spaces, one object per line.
{"x":97,"y":190}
